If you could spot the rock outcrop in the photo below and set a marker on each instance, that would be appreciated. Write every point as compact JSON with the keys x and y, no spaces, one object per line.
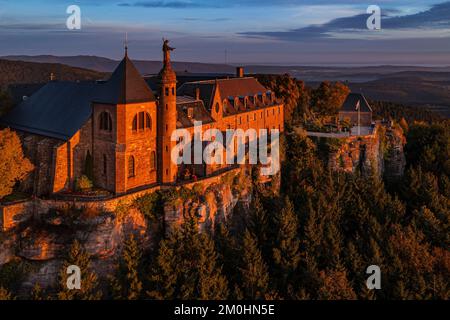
{"x":43,"y":240}
{"x":380,"y":152}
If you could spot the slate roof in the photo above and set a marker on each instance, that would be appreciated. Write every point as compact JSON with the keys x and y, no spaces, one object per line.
{"x":206,"y":91}
{"x":232,"y":87}
{"x":199,"y":113}
{"x":60,"y":109}
{"x":351,"y":102}
{"x":125,"y":86}
{"x":57,"y":110}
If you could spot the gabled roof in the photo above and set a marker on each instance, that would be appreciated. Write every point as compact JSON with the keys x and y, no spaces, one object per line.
{"x":57,"y":110}
{"x":125,"y":85}
{"x":240,"y":87}
{"x":60,"y":109}
{"x":233,"y":87}
{"x":351,"y":103}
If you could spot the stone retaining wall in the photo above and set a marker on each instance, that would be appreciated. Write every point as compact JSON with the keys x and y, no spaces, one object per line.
{"x":13,"y":214}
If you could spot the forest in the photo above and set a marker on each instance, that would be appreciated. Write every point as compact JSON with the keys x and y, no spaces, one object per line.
{"x":312,"y":239}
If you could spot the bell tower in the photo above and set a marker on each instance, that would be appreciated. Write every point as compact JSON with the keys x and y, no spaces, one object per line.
{"x":167,"y":118}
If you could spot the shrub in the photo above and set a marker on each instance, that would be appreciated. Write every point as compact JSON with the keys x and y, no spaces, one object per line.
{"x":151,"y":205}
{"x":83,"y":183}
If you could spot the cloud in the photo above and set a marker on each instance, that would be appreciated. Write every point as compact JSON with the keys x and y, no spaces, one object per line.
{"x":207,"y":19}
{"x":435,"y":18}
{"x":175,"y":4}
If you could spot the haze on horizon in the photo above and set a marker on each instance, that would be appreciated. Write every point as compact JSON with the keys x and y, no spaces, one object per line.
{"x":308,"y":32}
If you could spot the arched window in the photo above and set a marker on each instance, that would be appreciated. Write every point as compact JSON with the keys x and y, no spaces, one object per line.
{"x":135,"y":123}
{"x":131,"y":171}
{"x":105,"y":121}
{"x":148,"y":121}
{"x":153,"y":160}
{"x":104,"y":164}
{"x":142,"y":121}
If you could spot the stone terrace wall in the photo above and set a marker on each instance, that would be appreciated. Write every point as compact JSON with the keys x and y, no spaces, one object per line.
{"x":12,"y":214}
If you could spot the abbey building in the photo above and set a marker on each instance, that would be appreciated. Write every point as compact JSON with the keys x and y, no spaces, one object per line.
{"x":118,"y":132}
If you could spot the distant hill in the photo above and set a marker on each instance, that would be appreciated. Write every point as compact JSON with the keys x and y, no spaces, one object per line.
{"x":108,"y":65}
{"x":306,"y":73}
{"x":15,"y":72}
{"x":413,"y":85}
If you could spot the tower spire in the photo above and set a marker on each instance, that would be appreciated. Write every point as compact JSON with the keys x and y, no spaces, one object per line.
{"x":167,"y":118}
{"x":126,"y":44}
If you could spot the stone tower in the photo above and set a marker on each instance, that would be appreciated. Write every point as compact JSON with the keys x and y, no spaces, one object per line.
{"x":167,"y":118}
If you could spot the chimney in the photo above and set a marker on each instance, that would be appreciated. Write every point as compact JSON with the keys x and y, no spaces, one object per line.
{"x":240,"y":72}
{"x":197,"y":93}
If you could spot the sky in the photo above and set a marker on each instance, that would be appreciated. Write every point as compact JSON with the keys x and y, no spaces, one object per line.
{"x":282,"y":32}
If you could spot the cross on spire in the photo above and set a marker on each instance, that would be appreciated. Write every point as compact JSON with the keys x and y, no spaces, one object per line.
{"x":126,"y":43}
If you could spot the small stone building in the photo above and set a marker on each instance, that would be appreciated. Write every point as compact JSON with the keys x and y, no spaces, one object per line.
{"x":356,"y":110}
{"x":119,"y":131}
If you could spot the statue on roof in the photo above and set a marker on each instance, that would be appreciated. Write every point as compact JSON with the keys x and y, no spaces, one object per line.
{"x":166,"y":50}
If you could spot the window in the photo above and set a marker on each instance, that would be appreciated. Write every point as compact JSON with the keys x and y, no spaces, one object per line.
{"x":190,"y":113}
{"x":105,"y":121}
{"x":148,"y":121}
{"x":254,"y":117}
{"x":248,"y":119}
{"x":142,"y":121}
{"x":131,"y":167}
{"x":135,"y":126}
{"x":167,"y":91}
{"x":105,"y":162}
{"x":153,"y":160}
{"x":173,"y":91}
{"x":217,"y":107}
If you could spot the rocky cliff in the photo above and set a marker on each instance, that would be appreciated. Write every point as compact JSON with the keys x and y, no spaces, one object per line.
{"x":381,"y":152}
{"x":38,"y":245}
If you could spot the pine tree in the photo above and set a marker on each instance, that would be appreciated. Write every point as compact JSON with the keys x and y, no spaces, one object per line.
{"x":187,"y":267}
{"x":163,"y":276}
{"x":127,"y":284}
{"x":89,"y":282}
{"x":254,"y":274}
{"x":258,"y":225}
{"x":227,"y":251}
{"x":335,"y":285}
{"x":212,"y":285}
{"x":286,"y":252}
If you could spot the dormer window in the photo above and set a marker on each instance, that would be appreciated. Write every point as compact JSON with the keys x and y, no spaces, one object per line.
{"x":190,"y":112}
